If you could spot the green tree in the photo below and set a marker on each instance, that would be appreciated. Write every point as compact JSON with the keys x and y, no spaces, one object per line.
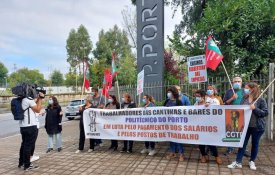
{"x":78,"y":47}
{"x":3,"y":73}
{"x":127,"y":72}
{"x":244,"y":31}
{"x":57,"y":78}
{"x":27,"y":76}
{"x":73,"y":79}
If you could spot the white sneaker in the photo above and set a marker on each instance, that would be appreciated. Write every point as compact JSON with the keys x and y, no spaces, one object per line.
{"x":252,"y":165}
{"x":90,"y":150}
{"x":144,"y":151}
{"x":152,"y":152}
{"x":234,"y":165}
{"x":77,"y":151}
{"x":34,"y":158}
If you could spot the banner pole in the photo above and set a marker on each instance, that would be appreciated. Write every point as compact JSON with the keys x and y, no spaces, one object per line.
{"x":118,"y":92}
{"x":228,"y":77}
{"x":82,"y":90}
{"x":264,"y":91}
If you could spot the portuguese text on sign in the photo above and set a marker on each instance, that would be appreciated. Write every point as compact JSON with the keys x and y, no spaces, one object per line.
{"x":196,"y":69}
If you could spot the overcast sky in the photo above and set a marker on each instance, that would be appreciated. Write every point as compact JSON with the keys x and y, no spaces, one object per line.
{"x":33,"y":33}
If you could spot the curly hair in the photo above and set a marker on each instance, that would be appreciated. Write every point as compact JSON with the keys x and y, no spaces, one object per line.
{"x":174,"y":91}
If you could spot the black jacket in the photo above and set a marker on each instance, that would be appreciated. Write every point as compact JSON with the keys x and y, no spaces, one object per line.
{"x":178,"y":102}
{"x":130,"y":105}
{"x":117,"y":105}
{"x":53,"y":120}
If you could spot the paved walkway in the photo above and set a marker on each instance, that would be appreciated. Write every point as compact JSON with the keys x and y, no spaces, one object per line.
{"x":104,"y":162}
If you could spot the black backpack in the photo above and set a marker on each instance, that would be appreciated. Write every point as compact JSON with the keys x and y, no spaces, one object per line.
{"x":17,"y":110}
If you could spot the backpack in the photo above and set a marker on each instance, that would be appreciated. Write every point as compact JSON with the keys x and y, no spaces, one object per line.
{"x":17,"y":110}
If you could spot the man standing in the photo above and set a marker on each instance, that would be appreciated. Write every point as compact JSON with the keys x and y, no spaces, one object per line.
{"x":234,"y":97}
{"x":28,"y":130}
{"x":183,"y":98}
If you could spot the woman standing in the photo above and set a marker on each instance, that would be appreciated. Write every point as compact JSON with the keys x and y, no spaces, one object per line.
{"x":127,"y":103}
{"x":81,"y":127}
{"x":256,"y":125}
{"x":53,"y":124}
{"x":200,"y":100}
{"x":148,"y":101}
{"x":173,"y":100}
{"x":113,"y":104}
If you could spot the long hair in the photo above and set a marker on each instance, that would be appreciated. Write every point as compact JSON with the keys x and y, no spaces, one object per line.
{"x":114,"y":98}
{"x":174,"y":91}
{"x":201,"y":92}
{"x":150,"y":98}
{"x":255,"y":90}
{"x":55,"y":103}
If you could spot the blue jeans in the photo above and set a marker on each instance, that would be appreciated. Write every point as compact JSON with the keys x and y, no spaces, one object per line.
{"x":176,"y":147}
{"x":256,"y":135}
{"x":57,"y":138}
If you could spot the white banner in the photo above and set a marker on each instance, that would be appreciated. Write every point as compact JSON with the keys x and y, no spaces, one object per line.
{"x":213,"y":125}
{"x":140,"y":82}
{"x":196,"y":69}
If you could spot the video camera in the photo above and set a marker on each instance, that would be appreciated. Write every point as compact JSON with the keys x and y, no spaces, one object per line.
{"x":28,"y":90}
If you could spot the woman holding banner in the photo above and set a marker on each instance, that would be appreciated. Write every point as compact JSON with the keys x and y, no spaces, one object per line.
{"x":148,"y":101}
{"x":256,"y":125}
{"x":200,"y":100}
{"x":127,"y":103}
{"x":173,"y":100}
{"x":113,"y":104}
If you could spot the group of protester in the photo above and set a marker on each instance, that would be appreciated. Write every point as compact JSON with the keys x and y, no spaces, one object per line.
{"x":235,"y":96}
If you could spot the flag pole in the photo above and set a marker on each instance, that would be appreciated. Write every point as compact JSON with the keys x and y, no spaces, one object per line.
{"x":118,"y":92}
{"x":264,"y":91}
{"x":82,"y":90}
{"x":228,"y":77}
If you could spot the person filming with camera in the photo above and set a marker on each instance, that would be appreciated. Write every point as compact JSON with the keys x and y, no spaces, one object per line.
{"x":28,"y":128}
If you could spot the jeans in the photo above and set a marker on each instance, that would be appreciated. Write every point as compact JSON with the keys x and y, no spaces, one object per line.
{"x":256,"y":135}
{"x":57,"y":138}
{"x":29,"y":135}
{"x":151,"y":144}
{"x":213,"y":149}
{"x":176,"y":146}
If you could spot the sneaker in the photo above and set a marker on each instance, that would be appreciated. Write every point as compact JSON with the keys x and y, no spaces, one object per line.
{"x":123,"y":150}
{"x":31,"y":167}
{"x":20,"y":166}
{"x":144,"y":151}
{"x":90,"y":150}
{"x":252,"y":165}
{"x":59,"y":149}
{"x":130,"y":151}
{"x":34,"y":158}
{"x":49,"y":150}
{"x":152,"y":152}
{"x":78,"y":151}
{"x":234,"y":165}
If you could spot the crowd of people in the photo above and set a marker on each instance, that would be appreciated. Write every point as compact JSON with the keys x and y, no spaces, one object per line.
{"x":249,"y":95}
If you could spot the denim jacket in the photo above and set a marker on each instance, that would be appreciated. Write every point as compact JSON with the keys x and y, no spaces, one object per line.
{"x":260,"y":112}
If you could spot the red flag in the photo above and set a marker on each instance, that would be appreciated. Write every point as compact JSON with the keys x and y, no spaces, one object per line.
{"x":86,"y":80}
{"x":213,"y":54}
{"x":107,"y":82}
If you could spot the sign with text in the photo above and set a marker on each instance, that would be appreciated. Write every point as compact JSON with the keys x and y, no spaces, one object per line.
{"x":196,"y":69}
{"x":150,"y":39}
{"x":140,"y":82}
{"x":213,"y":125}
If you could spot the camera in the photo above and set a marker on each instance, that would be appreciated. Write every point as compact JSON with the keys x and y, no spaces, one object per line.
{"x":28,"y":90}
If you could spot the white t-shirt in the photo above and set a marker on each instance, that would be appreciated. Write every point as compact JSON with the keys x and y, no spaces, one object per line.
{"x":28,"y":121}
{"x":212,"y":101}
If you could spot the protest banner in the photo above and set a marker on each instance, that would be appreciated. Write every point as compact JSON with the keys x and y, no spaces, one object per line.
{"x":196,"y":69}
{"x":213,"y":125}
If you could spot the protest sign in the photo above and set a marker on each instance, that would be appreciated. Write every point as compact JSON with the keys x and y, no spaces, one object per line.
{"x":196,"y":69}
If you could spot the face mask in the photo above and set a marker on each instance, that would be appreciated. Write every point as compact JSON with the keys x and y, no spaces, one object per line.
{"x":144,"y":101}
{"x":198,"y":99}
{"x":179,"y":92}
{"x":210,"y":92}
{"x":122,"y":99}
{"x":169,"y":95}
{"x":50,"y":102}
{"x":247,"y":91}
{"x":93,"y":93}
{"x":237,"y":85}
{"x":110,"y":100}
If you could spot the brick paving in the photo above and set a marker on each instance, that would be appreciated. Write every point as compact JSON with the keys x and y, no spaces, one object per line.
{"x":103,"y":161}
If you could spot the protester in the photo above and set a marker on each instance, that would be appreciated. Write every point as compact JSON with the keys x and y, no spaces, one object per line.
{"x":28,"y":130}
{"x":234,"y":97}
{"x":256,"y":125}
{"x":148,"y":101}
{"x":113,"y":104}
{"x":211,"y":99}
{"x":53,"y":125}
{"x":173,"y":100}
{"x":184,"y":99}
{"x":127,"y":103}
{"x":87,"y":105}
{"x":200,"y":100}
{"x":97,"y":102}
{"x":216,"y":94}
